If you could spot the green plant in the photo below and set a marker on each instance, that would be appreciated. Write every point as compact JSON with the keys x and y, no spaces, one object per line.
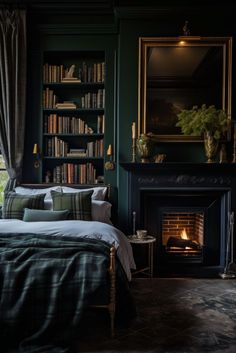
{"x":197,"y":121}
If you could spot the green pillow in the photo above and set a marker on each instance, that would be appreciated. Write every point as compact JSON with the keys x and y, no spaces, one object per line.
{"x":78,"y":204}
{"x":14,"y":204}
{"x":44,"y":215}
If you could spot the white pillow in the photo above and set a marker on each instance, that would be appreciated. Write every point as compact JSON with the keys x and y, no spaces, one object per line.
{"x":28,"y":191}
{"x":99,"y":192}
{"x":101,"y":211}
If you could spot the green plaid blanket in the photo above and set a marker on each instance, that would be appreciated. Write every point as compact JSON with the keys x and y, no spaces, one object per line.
{"x":46,"y":284}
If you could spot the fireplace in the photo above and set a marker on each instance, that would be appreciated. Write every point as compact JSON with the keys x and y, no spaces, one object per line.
{"x":183,"y":235}
{"x":186,"y":208}
{"x":190,"y":226}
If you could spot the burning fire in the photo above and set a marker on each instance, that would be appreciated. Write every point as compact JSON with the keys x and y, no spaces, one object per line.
{"x":184,"y":235}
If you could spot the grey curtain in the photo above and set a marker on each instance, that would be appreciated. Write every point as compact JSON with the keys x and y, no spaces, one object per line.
{"x":12,"y":90}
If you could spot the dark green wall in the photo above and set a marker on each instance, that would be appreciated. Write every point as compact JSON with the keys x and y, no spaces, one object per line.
{"x":117,"y":32}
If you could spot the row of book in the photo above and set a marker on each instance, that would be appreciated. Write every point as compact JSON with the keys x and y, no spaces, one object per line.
{"x":92,"y":73}
{"x":56,"y":147}
{"x":55,"y":124}
{"x":70,"y":173}
{"x":91,"y":100}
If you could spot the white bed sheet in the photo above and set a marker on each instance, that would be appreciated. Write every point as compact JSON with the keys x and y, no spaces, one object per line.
{"x":84,"y":229}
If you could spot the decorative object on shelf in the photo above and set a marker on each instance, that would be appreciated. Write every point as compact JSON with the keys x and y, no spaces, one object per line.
{"x":159,"y":158}
{"x":223,"y":154}
{"x":205,"y":121}
{"x":234,"y":144}
{"x":144,"y":147}
{"x":211,"y":146}
{"x":133,"y":142}
{"x":69,"y":75}
{"x":230,"y":266}
{"x":48,"y":177}
{"x":110,"y":165}
{"x":186,"y":30}
{"x":36,"y":154}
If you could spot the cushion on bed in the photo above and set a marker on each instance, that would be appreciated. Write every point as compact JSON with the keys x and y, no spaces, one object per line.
{"x":31,"y":215}
{"x":99,"y":192}
{"x":14,"y":204}
{"x":101,"y":211}
{"x":78,"y":204}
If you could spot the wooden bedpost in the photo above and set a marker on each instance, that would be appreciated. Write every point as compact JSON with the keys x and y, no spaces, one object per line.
{"x":112,"y":304}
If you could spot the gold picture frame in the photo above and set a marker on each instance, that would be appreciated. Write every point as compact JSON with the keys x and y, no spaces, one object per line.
{"x":177,"y":73}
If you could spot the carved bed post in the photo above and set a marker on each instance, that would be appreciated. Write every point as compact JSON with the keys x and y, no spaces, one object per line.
{"x":112,"y":304}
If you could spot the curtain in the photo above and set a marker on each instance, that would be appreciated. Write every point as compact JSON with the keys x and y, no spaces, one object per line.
{"x":12,"y":91}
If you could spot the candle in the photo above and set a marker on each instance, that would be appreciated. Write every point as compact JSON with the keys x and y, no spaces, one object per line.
{"x":109,"y":150}
{"x":35,"y":148}
{"x":133,"y":130}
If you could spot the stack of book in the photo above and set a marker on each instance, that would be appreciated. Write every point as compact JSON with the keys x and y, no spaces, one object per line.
{"x":66,"y":105}
{"x":77,"y":152}
{"x":70,"y":80}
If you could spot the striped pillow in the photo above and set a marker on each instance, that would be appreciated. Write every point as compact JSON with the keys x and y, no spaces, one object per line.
{"x":78,"y":204}
{"x":14,"y":204}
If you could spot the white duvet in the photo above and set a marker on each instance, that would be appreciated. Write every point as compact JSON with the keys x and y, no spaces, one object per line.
{"x":84,"y":229}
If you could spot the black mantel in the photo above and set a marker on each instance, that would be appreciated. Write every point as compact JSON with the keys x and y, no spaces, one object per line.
{"x":146,"y":180}
{"x":222,"y":168}
{"x":178,"y":175}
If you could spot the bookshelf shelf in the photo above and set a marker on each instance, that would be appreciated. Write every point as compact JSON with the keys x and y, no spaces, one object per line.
{"x":78,"y":110}
{"x":74,"y":135}
{"x":73,"y":115}
{"x":74,"y":158}
{"x":80,"y":85}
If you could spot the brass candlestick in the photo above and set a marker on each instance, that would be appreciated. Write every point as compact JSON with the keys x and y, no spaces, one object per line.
{"x":133,"y":150}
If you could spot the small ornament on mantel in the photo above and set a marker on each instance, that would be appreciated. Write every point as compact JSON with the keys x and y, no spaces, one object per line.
{"x":186,"y":30}
{"x":133,"y":142}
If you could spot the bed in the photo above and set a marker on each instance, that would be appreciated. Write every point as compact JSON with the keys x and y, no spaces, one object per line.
{"x":56,"y":263}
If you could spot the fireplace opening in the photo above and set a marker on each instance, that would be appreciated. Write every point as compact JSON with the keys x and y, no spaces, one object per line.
{"x":190,"y":227}
{"x":183,"y":235}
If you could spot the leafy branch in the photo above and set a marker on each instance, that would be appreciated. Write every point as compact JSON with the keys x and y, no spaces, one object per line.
{"x":197,"y":121}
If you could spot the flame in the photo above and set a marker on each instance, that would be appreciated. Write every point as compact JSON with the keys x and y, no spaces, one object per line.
{"x":184,"y":234}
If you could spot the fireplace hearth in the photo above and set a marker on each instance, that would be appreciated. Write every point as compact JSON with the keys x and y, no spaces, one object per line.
{"x":186,"y":207}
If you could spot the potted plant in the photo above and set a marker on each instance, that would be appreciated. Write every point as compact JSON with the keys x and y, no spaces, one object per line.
{"x":209,"y":122}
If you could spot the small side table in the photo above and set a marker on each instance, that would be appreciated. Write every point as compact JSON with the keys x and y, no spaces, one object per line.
{"x":149,"y":241}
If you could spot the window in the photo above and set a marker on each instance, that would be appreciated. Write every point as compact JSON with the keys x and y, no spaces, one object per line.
{"x":3,"y":178}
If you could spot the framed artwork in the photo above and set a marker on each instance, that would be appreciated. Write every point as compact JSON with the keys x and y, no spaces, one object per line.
{"x":178,"y":73}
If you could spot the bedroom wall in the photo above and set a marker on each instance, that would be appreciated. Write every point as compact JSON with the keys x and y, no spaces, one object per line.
{"x":119,"y":27}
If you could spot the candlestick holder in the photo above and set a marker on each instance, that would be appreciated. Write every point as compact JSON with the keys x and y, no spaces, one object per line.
{"x":133,"y":150}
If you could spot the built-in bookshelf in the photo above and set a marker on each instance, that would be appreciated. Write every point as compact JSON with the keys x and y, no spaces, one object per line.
{"x":73,"y":114}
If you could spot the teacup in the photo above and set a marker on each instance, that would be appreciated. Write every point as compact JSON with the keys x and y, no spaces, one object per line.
{"x":141,"y":233}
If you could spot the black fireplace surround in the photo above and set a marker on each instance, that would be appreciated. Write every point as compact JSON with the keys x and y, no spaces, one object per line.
{"x":209,"y":189}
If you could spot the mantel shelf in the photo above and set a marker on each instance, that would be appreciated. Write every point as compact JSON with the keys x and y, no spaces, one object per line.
{"x":179,"y":167}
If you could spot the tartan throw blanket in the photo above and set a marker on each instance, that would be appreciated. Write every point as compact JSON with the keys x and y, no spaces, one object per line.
{"x":46,"y":284}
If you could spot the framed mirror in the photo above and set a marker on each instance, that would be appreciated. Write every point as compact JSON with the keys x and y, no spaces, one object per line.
{"x":178,"y":73}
